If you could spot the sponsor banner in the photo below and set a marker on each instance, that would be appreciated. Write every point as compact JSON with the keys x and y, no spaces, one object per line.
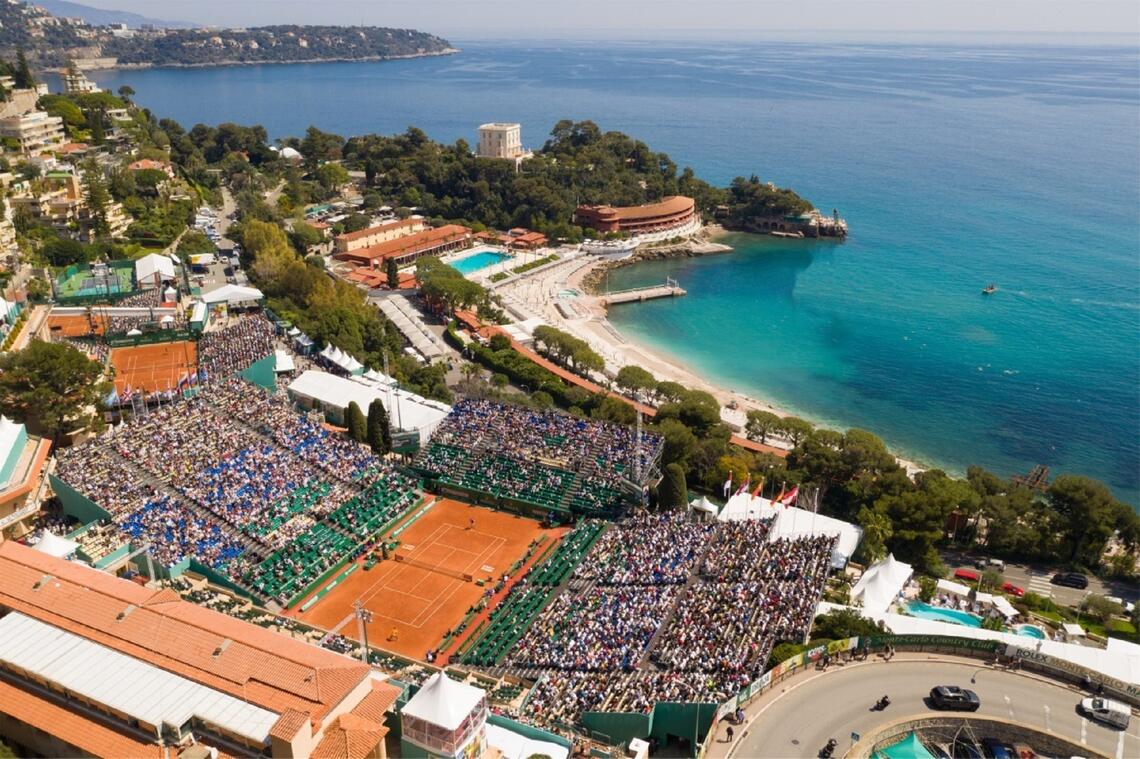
{"x":1077,"y":671}
{"x":941,"y":641}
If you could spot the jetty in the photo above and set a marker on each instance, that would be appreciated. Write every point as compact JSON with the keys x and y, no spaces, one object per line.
{"x":668,"y":290}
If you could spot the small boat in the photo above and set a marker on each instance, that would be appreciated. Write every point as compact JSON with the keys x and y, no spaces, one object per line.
{"x":989,"y":289}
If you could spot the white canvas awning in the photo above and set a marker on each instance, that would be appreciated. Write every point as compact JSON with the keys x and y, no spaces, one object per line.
{"x":703,"y":504}
{"x":54,"y":545}
{"x":282,"y":362}
{"x":443,"y":702}
{"x":1073,"y":630}
{"x":156,"y":265}
{"x":881,"y":584}
{"x":1005,"y":607}
{"x":946,"y":586}
{"x":234,"y":294}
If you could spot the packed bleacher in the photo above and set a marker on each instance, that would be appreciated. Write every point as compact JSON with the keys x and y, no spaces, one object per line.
{"x":152,"y":297}
{"x":664,"y":608}
{"x":243,"y":341}
{"x":545,"y":457}
{"x":237,"y":479}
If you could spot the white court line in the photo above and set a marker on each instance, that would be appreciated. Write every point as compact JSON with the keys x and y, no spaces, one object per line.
{"x":1120,"y":746}
{"x":1009,"y":705}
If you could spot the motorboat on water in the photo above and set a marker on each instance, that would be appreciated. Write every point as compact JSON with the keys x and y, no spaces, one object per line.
{"x":989,"y":289}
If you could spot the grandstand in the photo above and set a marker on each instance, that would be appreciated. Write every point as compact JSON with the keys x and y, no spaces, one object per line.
{"x":539,"y":461}
{"x":653,"y":608}
{"x":237,"y":485}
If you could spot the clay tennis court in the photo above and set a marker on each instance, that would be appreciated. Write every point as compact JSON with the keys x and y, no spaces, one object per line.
{"x":154,"y":367}
{"x":422,"y":604}
{"x":77,"y":325}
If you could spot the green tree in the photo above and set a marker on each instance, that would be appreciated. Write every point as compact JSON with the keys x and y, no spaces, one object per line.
{"x":1100,"y":608}
{"x":126,"y":92}
{"x":795,"y":429}
{"x":761,"y":424}
{"x":680,"y":442}
{"x":332,"y":176}
{"x":304,"y":236}
{"x":356,"y":423}
{"x":22,"y":76}
{"x":991,"y":580}
{"x":840,"y":624}
{"x":674,"y":492}
{"x":671,"y":391}
{"x":877,"y":532}
{"x":379,"y":429}
{"x":633,"y":379}
{"x":59,"y":252}
{"x":98,"y":198}
{"x":392,"y":270}
{"x":53,"y":387}
{"x":1088,"y":513}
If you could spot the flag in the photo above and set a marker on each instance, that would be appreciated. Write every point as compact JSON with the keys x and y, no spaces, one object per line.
{"x":194,"y":378}
{"x":183,"y":380}
{"x":744,"y":487}
{"x":126,"y":396}
{"x":789,"y":498}
{"x":759,"y":487}
{"x":728,"y":485}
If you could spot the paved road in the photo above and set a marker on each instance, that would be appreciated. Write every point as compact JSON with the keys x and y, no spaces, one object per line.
{"x":835,"y":703}
{"x":1035,"y":579}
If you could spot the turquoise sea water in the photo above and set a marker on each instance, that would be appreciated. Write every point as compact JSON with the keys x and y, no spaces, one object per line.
{"x":955,"y":167}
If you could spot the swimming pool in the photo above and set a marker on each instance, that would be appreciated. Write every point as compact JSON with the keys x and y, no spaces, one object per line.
{"x":1030,"y":631}
{"x":479,"y":260}
{"x":953,"y":616}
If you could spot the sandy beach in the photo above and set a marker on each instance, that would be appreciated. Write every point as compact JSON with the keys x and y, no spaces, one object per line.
{"x":557,"y":297}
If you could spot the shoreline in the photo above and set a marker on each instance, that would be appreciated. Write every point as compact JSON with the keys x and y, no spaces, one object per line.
{"x":118,"y":66}
{"x":619,"y":349}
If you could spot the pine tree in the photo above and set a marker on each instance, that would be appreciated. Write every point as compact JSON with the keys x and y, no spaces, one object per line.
{"x":393,"y":274}
{"x":674,"y":491}
{"x":23,"y":76}
{"x":379,"y":433}
{"x":354,"y":420}
{"x":95,"y":118}
{"x":98,"y":198}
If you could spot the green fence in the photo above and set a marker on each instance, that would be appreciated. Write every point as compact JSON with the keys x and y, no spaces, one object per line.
{"x":123,"y":340}
{"x":75,"y":504}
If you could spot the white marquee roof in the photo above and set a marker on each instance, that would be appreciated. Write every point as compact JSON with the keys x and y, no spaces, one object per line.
{"x":54,"y":545}
{"x":123,"y":683}
{"x":233,"y":294}
{"x":517,"y":746}
{"x":155,"y":263}
{"x":407,"y":411}
{"x":881,"y":583}
{"x":443,"y":701}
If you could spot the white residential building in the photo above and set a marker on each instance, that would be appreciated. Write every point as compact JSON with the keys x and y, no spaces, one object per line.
{"x":35,"y":132}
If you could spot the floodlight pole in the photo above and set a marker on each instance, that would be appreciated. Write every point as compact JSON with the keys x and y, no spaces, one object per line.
{"x":363,"y":617}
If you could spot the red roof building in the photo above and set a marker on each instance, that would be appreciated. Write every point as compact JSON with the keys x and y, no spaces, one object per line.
{"x":364,"y":238}
{"x":406,"y":249}
{"x":671,"y":213}
{"x":118,"y":669}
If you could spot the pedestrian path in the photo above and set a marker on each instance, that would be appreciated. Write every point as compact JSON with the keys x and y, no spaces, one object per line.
{"x":1039,"y":584}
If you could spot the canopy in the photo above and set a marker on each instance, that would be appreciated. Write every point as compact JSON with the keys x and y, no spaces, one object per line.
{"x":168,"y":319}
{"x":518,"y":746}
{"x":1005,"y":607}
{"x":134,"y":333}
{"x":54,"y":545}
{"x":339,"y":358}
{"x":233,"y":294}
{"x":282,"y":361}
{"x":405,"y":410}
{"x":154,"y":265}
{"x":909,"y":747}
{"x":881,"y":584}
{"x":1073,"y":630}
{"x":945,"y":586}
{"x":703,"y":504}
{"x":443,"y":702}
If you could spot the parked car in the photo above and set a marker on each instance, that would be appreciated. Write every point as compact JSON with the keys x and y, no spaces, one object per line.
{"x":1013,"y":590}
{"x":966,"y":574}
{"x":1107,"y":711}
{"x":953,"y":698}
{"x":1071,"y":580}
{"x":995,"y":749}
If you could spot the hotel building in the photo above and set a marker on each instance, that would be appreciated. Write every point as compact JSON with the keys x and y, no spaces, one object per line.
{"x":673,"y":212}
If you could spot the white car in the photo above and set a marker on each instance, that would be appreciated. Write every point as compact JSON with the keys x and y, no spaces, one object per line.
{"x":1107,"y":711}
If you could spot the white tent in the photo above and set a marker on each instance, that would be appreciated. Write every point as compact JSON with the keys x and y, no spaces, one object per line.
{"x":233,"y":294}
{"x":282,"y":362}
{"x":134,"y":333}
{"x":881,"y":584}
{"x":443,"y":702}
{"x":1005,"y":607}
{"x":703,"y":504}
{"x":54,"y":545}
{"x":1073,"y":630}
{"x":406,"y":411}
{"x":514,"y":745}
{"x":793,"y":522}
{"x":953,"y":588}
{"x":153,"y":269}
{"x":743,"y":507}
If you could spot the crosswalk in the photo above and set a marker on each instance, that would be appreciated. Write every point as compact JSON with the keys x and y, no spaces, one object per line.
{"x":1040,"y":585}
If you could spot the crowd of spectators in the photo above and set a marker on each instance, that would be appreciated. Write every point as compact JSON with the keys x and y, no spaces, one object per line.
{"x":241,"y":342}
{"x":146,"y":298}
{"x":602,"y":630}
{"x":646,"y":549}
{"x":666,"y":608}
{"x":590,"y":459}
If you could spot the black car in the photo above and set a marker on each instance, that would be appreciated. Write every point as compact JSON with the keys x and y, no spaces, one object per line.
{"x":1071,"y":580}
{"x":953,"y":698}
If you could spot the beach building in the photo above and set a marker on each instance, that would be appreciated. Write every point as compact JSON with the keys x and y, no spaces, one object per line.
{"x":23,"y":460}
{"x":364,"y":238}
{"x":33,"y":132}
{"x":673,"y":212}
{"x":500,"y":140}
{"x":187,"y":681}
{"x":408,"y":248}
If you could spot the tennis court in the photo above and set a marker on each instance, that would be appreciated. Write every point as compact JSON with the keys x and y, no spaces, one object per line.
{"x":84,"y":283}
{"x":153,"y":367}
{"x":421,"y":591}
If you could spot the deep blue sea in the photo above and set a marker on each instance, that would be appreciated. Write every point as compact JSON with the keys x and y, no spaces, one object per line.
{"x":954,"y":166}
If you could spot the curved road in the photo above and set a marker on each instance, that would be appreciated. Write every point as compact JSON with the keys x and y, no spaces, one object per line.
{"x":837,"y":702}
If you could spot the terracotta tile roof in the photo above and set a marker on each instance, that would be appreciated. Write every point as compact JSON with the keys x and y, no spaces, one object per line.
{"x":267,"y":668}
{"x":674,"y":204}
{"x":350,"y":737}
{"x":288,"y":724}
{"x":380,"y":700}
{"x":91,"y":736}
{"x":416,"y":242}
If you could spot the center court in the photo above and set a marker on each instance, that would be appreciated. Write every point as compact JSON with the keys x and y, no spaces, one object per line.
{"x":422,"y":590}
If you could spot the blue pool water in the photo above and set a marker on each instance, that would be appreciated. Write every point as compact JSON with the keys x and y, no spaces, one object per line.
{"x":477,"y":261}
{"x":939,"y":614}
{"x":1031,"y":631}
